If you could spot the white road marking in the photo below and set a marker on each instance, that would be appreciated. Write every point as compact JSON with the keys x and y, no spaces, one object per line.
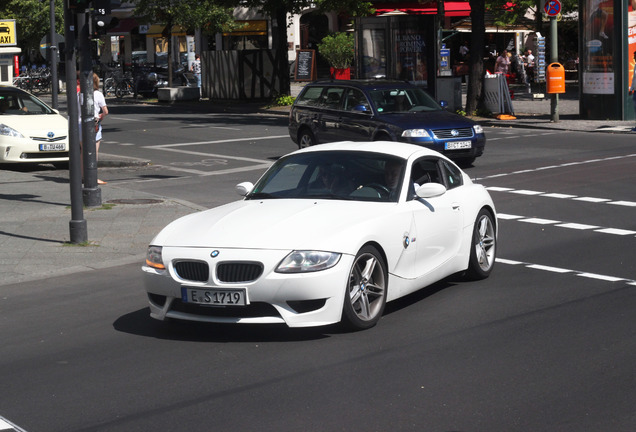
{"x":163,"y":146}
{"x":558,"y":166}
{"x":559,"y":270}
{"x":526,"y":192}
{"x":259,"y":161}
{"x":577,"y":226}
{"x":6,"y":425}
{"x":540,"y":221}
{"x":593,"y":200}
{"x":571,"y":225}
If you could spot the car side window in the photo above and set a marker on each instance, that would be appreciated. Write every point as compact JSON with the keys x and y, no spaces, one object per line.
{"x":310,"y":97}
{"x":333,"y":97}
{"x":452,"y":175}
{"x":425,"y":170}
{"x":356,"y":101}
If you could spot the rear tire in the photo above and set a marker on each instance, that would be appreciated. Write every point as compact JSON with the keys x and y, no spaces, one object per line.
{"x":365,"y":293}
{"x":483,"y":247}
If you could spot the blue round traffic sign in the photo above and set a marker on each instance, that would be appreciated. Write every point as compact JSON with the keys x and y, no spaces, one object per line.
{"x":552,"y":7}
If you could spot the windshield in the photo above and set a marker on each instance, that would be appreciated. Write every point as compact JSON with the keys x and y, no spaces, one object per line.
{"x":341,"y":175}
{"x":21,"y":103}
{"x":397,"y":100}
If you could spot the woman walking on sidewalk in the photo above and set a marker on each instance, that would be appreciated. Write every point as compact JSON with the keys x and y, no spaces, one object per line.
{"x":101,"y":111}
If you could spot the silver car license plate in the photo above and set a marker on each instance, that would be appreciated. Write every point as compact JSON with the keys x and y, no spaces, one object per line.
{"x":214,"y":296}
{"x":52,"y":147}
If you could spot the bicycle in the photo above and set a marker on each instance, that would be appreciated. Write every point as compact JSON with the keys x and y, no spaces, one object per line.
{"x":125,"y":87}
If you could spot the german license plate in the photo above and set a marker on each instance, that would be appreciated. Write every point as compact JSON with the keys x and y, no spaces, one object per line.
{"x":456,"y":145}
{"x":214,"y":296}
{"x":52,"y":147}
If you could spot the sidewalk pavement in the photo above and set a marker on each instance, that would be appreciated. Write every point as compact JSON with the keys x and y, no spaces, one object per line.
{"x":36,"y":212}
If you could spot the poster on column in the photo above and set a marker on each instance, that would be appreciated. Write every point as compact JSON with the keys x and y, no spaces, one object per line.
{"x":631,"y":38}
{"x":598,"y":40}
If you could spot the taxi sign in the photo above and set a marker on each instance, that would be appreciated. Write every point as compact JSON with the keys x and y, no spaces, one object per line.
{"x":7,"y":33}
{"x":552,"y":7}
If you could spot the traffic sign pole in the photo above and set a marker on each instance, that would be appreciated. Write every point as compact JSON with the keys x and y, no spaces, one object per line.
{"x":554,"y":58}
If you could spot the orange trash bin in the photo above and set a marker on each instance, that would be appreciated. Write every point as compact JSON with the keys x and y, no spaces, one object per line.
{"x":555,"y":78}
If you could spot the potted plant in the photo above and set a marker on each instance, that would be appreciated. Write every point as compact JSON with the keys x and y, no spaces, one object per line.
{"x":338,"y":50}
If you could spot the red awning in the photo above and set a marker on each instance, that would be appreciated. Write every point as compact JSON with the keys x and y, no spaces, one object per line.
{"x":124,"y":26}
{"x":451,"y":8}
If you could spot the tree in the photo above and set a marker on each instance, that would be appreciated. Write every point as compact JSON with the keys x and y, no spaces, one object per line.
{"x":277,"y":10}
{"x":210,"y":16}
{"x":32,"y":21}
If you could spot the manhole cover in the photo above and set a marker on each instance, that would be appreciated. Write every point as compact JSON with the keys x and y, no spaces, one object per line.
{"x":135,"y":201}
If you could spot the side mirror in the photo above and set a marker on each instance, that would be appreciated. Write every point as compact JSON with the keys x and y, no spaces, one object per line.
{"x":430,"y":190}
{"x":443,"y":104}
{"x":244,"y":188}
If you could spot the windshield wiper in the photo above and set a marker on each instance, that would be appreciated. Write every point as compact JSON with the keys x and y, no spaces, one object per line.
{"x":261,"y":195}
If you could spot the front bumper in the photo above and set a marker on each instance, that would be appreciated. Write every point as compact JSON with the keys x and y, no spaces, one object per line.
{"x":25,"y":150}
{"x":297,"y":300}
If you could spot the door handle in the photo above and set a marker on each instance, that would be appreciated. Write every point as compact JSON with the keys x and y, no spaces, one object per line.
{"x":455,"y":206}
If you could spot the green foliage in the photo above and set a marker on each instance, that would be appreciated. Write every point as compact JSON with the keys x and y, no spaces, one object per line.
{"x":32,"y":20}
{"x":283,"y":100}
{"x":209,"y":15}
{"x":338,"y":49}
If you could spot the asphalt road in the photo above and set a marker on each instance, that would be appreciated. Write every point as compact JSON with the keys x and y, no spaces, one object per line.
{"x":545,"y":344}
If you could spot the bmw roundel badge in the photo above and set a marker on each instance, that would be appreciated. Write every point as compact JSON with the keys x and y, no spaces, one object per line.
{"x":214,"y":254}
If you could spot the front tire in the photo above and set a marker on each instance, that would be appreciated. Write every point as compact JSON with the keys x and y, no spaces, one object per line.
{"x":306,"y":139}
{"x":483,"y":247}
{"x":365,"y":295}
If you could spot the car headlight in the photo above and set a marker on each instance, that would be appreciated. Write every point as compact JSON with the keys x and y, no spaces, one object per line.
{"x":153,"y":257}
{"x":478,"y":129}
{"x":415,"y":133}
{"x":307,"y":261}
{"x":8,"y":131}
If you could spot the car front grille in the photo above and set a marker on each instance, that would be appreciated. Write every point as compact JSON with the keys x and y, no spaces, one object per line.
{"x":230,"y":271}
{"x":45,"y":139}
{"x":197,"y":271}
{"x":453,"y":133}
{"x":239,"y":271}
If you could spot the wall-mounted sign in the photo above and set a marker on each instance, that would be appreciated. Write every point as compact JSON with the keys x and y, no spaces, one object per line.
{"x":8,"y":33}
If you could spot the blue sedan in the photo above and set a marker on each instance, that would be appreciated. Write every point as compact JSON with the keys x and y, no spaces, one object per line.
{"x":378,"y":110}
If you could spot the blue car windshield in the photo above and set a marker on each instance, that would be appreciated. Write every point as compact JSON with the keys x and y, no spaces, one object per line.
{"x":399,"y":100}
{"x":341,"y":175}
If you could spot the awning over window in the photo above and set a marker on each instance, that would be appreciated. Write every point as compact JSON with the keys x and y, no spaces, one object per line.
{"x":155,"y":30}
{"x":451,"y":8}
{"x":249,"y":28}
{"x":178,"y":31}
{"x":124,"y":26}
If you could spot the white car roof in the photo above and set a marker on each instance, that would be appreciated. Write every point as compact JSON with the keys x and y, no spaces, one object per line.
{"x":398,"y":149}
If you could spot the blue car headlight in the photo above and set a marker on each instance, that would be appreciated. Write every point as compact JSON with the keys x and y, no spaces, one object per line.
{"x":415,"y":133}
{"x":307,"y":261}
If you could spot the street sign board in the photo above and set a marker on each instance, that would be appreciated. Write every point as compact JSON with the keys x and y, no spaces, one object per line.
{"x":8,"y":33}
{"x":552,"y":7}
